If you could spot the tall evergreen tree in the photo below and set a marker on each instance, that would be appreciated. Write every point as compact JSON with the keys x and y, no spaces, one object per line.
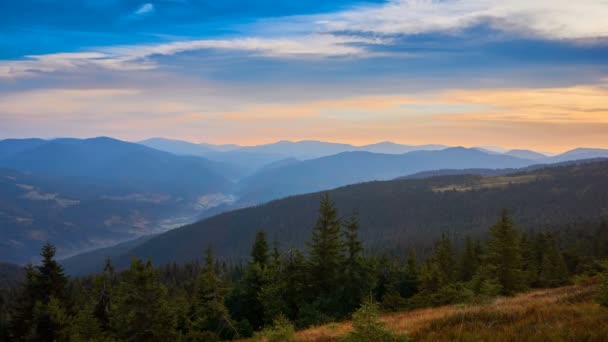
{"x":259,"y":251}
{"x":469,"y":262}
{"x":142,"y":312}
{"x":553,"y":270}
{"x":326,"y":257}
{"x":42,"y":297}
{"x":104,"y":285}
{"x":504,"y":255}
{"x":444,"y":258}
{"x":210,"y":312}
{"x":358,"y":278}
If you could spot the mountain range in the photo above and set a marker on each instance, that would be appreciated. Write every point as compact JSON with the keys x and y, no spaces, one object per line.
{"x":88,"y":193}
{"x":399,"y":213}
{"x":83,"y":194}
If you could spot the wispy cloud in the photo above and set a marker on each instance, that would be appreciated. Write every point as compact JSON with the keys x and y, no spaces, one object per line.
{"x":139,"y":57}
{"x":145,"y":9}
{"x":552,"y":19}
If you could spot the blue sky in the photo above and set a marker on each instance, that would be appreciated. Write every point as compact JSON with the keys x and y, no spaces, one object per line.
{"x":459,"y":72}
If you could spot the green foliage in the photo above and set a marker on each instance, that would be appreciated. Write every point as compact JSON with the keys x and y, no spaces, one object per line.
{"x":281,"y":331}
{"x":358,"y":277}
{"x":259,"y":251}
{"x":504,"y":256}
{"x":142,"y":311}
{"x":209,"y":310}
{"x":368,"y":327}
{"x":326,"y":258}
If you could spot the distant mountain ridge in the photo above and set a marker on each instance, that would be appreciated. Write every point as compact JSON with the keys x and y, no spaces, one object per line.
{"x":401,"y":213}
{"x":86,"y":193}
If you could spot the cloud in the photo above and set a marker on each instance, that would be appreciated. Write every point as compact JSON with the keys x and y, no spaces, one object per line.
{"x":145,"y":9}
{"x":139,"y":57}
{"x":550,"y":19}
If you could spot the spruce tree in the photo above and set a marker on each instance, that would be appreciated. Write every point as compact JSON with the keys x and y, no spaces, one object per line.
{"x":444,"y":258}
{"x":210,"y":312}
{"x":358,"y":279}
{"x":553,"y":270}
{"x":142,"y":312}
{"x":42,"y":306}
{"x":104,"y":286}
{"x":326,"y":258}
{"x":259,"y":251}
{"x":504,"y":256}
{"x":469,"y":262}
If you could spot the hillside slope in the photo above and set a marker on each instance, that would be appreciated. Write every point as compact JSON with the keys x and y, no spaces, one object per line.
{"x":560,"y":314}
{"x":401,"y":213}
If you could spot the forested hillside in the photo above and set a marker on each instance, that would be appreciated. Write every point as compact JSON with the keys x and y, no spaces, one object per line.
{"x":403,"y":213}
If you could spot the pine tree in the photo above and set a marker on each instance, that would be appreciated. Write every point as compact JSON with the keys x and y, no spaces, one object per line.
{"x":553,"y":270}
{"x":42,"y":306}
{"x":210,"y":312}
{"x":295,"y":278}
{"x":104,"y":286}
{"x":358,"y":278}
{"x":326,"y":258}
{"x":444,"y":258}
{"x":142,"y":312}
{"x":22,"y":311}
{"x":469,"y":262}
{"x":259,"y":251}
{"x":504,"y":256}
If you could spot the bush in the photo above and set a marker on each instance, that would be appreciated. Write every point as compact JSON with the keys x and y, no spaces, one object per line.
{"x":368,"y":327}
{"x":281,"y":331}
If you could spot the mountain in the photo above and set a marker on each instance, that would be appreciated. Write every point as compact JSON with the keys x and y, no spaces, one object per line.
{"x":401,"y":213}
{"x":526,"y":154}
{"x":84,"y":194}
{"x":178,"y":147}
{"x":11,"y":147}
{"x":388,"y":147}
{"x":181,"y":147}
{"x":109,"y":160}
{"x":578,"y":154}
{"x":355,"y":167}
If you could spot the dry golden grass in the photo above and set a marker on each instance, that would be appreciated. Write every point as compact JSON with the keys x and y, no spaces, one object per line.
{"x":566,"y":313}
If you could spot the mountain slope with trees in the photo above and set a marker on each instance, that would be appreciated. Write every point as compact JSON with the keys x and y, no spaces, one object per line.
{"x":407,"y":212}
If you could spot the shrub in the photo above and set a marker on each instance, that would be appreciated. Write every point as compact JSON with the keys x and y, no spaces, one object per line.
{"x":368,"y":327}
{"x":282,"y":331}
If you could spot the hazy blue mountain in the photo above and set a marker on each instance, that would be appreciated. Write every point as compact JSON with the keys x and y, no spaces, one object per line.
{"x":178,"y":147}
{"x":526,"y":154}
{"x":11,"y":147}
{"x":400,"y":213}
{"x":110,"y":160}
{"x":181,"y":147}
{"x":306,"y":149}
{"x":388,"y":147}
{"x":355,"y":167}
{"x":578,"y":154}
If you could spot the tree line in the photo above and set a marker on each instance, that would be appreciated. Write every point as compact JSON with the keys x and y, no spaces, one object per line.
{"x":286,"y":289}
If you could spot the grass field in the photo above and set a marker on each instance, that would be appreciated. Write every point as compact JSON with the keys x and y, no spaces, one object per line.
{"x":562,"y":314}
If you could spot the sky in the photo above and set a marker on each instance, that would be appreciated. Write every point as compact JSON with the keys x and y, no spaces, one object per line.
{"x":516,"y":74}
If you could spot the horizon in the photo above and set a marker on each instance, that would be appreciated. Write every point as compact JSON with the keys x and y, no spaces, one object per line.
{"x":487,"y":148}
{"x":456,"y":72}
